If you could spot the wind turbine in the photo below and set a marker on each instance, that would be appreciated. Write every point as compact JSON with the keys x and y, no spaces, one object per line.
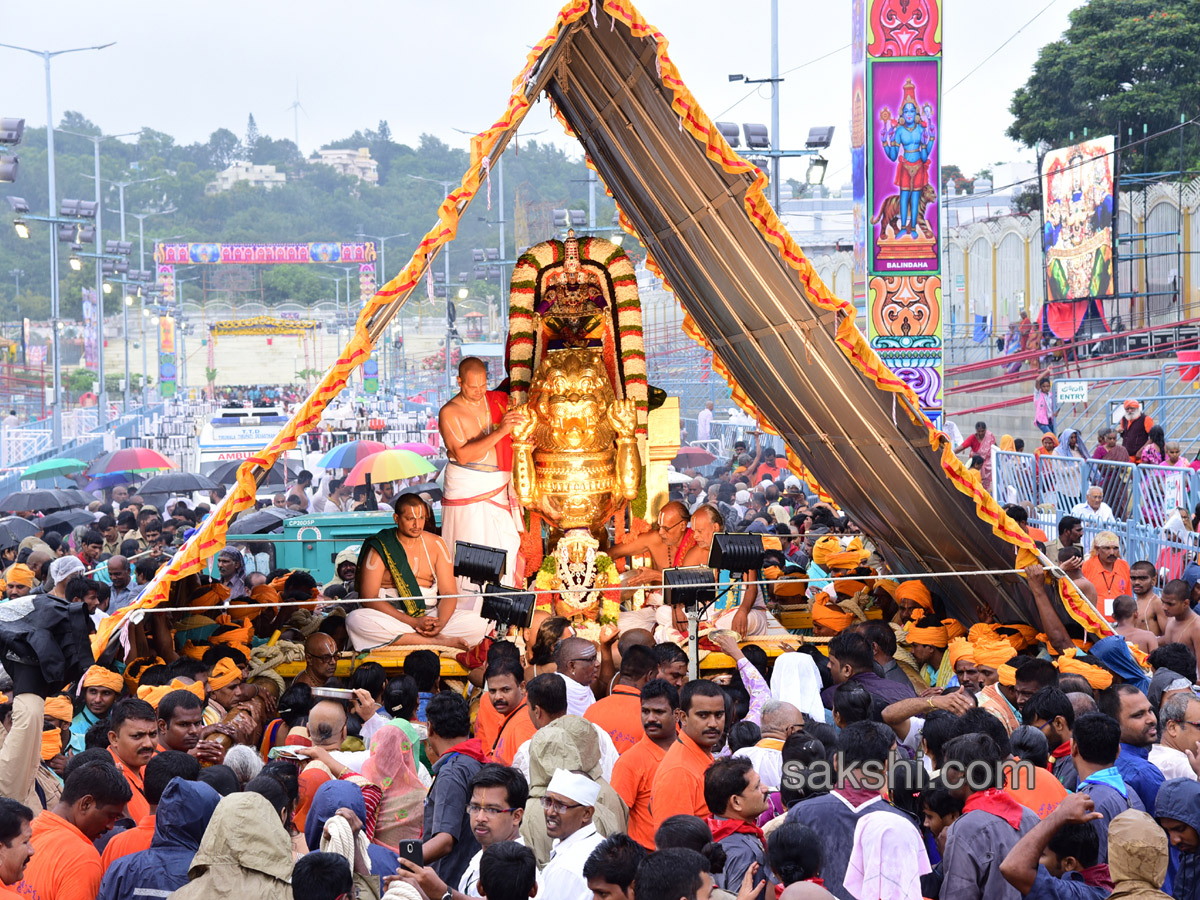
{"x":296,"y":108}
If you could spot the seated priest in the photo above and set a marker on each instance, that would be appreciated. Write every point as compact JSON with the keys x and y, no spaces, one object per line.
{"x":405,"y":580}
{"x":740,"y":607}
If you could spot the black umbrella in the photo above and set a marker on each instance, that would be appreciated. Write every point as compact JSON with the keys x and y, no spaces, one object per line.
{"x":432,"y":488}
{"x":75,"y":497}
{"x":41,"y":500}
{"x":177,"y":483}
{"x":267,"y":519}
{"x":66,"y":520}
{"x":8,"y":538}
{"x":22,"y":528}
{"x":281,"y":473}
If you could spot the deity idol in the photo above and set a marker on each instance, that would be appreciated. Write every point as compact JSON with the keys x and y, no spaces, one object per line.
{"x":909,"y":144}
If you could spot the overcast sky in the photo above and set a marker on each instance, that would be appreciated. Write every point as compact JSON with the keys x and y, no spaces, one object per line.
{"x":189,"y":69}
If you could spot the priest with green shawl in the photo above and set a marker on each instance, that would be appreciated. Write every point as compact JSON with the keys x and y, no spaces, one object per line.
{"x":405,"y":583}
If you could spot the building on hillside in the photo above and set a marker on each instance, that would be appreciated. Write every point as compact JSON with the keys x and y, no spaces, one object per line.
{"x":256,"y":176}
{"x":357,"y":163}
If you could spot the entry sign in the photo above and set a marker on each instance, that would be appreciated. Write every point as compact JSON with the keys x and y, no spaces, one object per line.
{"x":1066,"y":392}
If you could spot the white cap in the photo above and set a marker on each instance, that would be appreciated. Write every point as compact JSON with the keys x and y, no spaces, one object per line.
{"x":575,"y":787}
{"x":64,"y":567}
{"x":791,"y":481}
{"x":742,"y":497}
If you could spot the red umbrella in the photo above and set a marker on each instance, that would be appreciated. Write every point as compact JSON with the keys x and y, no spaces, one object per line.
{"x":131,"y":459}
{"x":690,"y":457}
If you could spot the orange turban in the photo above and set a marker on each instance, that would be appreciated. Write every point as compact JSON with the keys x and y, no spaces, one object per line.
{"x":831,"y":617}
{"x":789,"y":587}
{"x":98,"y":676}
{"x":223,"y":674}
{"x":888,"y":585}
{"x":848,"y":587}
{"x":208,"y":595}
{"x":960,"y":648}
{"x":60,"y":708}
{"x":993,"y":653}
{"x":19,"y":574}
{"x":133,"y":671}
{"x":1008,"y":675}
{"x":829,"y":555}
{"x":1026,"y":635}
{"x":1097,"y":677}
{"x":980,"y":631}
{"x":931,"y":636}
{"x":156,"y":695}
{"x":916,"y":592}
{"x":954,"y":628}
{"x":265,"y":593}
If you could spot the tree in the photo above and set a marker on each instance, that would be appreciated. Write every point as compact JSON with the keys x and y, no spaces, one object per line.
{"x":1120,"y":64}
{"x":223,"y":148}
{"x":78,"y":123}
{"x":80,"y":381}
{"x":384,"y":132}
{"x":251,"y":135}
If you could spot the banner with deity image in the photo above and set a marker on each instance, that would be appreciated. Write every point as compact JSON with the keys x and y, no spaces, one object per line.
{"x":166,"y":356}
{"x":91,"y":319}
{"x":1077,"y":220}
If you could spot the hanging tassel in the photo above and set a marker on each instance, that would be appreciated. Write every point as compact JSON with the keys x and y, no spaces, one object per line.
{"x":894,"y":411}
{"x":487,"y":170}
{"x":595,"y":21}
{"x":429,"y":277}
{"x":658,"y":66}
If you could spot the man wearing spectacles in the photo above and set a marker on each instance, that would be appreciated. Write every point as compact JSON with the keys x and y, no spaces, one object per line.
{"x":1180,"y":717}
{"x":665,"y":545}
{"x":569,"y":804}
{"x":320,"y":657}
{"x":497,"y":806}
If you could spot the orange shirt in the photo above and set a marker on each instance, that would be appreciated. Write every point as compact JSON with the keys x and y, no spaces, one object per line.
{"x":487,"y":722}
{"x":138,"y":806}
{"x":1109,"y":585}
{"x":64,"y":865}
{"x":620,"y":714}
{"x":6,"y":891}
{"x":1045,"y":795}
{"x":515,"y":729}
{"x":132,"y":841}
{"x":678,"y":787}
{"x":633,"y":779}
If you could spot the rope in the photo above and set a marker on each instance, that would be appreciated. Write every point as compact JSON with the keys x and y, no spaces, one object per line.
{"x":402,"y":890}
{"x":338,"y":838}
{"x":719,"y":584}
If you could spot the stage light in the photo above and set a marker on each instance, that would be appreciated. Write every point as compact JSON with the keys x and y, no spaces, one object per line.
{"x":18,"y":204}
{"x":154,"y":320}
{"x":478,"y":564}
{"x":729,"y":129}
{"x":816,"y":170}
{"x":75,"y":262}
{"x":819,"y":137}
{"x":736,"y":552}
{"x":757,"y":137}
{"x":692,"y":587}
{"x":507,"y":607}
{"x":9,"y":166}
{"x":22,"y":229}
{"x":463,"y":293}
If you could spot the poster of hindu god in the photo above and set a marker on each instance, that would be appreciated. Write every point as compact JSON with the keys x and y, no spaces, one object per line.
{"x":1077,"y":217}
{"x":904,"y":181}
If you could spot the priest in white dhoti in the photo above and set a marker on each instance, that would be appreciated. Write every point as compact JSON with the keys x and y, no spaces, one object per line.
{"x":405,"y":582}
{"x":478,"y":502}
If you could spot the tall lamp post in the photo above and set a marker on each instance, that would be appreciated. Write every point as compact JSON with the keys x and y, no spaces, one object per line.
{"x":102,"y":414}
{"x":52,"y":200}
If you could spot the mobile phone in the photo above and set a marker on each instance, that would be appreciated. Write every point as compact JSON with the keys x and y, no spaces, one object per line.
{"x":413,"y":851}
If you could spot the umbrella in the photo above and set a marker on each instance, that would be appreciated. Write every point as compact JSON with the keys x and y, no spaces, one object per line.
{"x":75,"y":497}
{"x":176,"y":483}
{"x":39,"y":499}
{"x":418,"y":448}
{"x":432,"y":488}
{"x":22,"y":528}
{"x":261,"y":521}
{"x":690,"y":457}
{"x":104,"y":482}
{"x":281,"y":473}
{"x":130,"y":459}
{"x":389,"y":465}
{"x":48,"y":468}
{"x":66,"y":520}
{"x":350,"y":454}
{"x":678,"y":478}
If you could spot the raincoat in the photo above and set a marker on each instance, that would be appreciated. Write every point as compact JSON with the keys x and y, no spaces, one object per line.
{"x":183,"y":815}
{"x":1137,"y":857}
{"x":1179,"y":799}
{"x":567,"y":743}
{"x":245,"y":853}
{"x":329,"y":798}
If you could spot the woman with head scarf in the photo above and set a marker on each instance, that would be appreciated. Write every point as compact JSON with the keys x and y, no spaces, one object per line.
{"x":1069,"y":445}
{"x":393,"y":767}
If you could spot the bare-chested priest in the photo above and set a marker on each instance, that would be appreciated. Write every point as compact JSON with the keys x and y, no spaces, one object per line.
{"x":478,"y":505}
{"x":666,"y":545}
{"x":401,"y":572}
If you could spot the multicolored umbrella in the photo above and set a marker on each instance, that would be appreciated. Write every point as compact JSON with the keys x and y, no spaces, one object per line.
{"x":350,"y":454}
{"x":418,"y":448}
{"x":389,"y":465}
{"x":130,"y":459}
{"x":48,"y":468}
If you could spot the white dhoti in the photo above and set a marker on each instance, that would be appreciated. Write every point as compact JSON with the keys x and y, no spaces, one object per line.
{"x":478,"y":507}
{"x":370,"y":628}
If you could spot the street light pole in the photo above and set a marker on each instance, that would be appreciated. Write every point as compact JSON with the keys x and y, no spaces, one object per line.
{"x":52,"y":201}
{"x":775,"y":103}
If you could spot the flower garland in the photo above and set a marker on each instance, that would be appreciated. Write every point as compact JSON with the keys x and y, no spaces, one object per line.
{"x":601,"y":607}
{"x":262,"y":325}
{"x":625,"y":352}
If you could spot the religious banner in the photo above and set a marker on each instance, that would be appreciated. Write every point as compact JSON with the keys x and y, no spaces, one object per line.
{"x":166,"y":281}
{"x":166,"y":356}
{"x":266,"y":254}
{"x":91,"y":317}
{"x":895,"y":144}
{"x":1077,"y":212}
